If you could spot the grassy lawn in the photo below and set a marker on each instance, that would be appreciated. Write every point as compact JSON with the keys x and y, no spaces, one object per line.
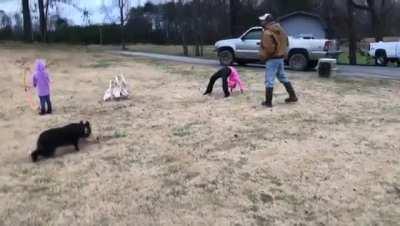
{"x":170,"y":156}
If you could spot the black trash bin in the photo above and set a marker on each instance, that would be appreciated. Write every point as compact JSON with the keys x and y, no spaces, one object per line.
{"x":324,"y":69}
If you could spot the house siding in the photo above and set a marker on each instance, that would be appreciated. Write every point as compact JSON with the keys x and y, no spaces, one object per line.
{"x":300,"y":24}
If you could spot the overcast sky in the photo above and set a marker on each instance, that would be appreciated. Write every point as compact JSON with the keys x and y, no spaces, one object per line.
{"x":93,"y":6}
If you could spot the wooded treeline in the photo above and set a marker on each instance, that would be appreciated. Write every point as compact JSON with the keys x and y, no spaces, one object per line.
{"x":198,"y":22}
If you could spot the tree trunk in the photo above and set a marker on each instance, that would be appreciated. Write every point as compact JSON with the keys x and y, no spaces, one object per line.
{"x":352,"y":34}
{"x":232,"y":14}
{"x":27,"y":21}
{"x":201,"y":46}
{"x":376,"y":20}
{"x":42,"y":19}
{"x":376,"y":25}
{"x":197,"y":49}
{"x":121,"y":14}
{"x":184,"y":44}
{"x":46,"y":17}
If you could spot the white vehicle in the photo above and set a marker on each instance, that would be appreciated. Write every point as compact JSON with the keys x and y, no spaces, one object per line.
{"x":304,"y":52}
{"x":383,"y":52}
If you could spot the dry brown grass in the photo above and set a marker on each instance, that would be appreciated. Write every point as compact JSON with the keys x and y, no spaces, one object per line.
{"x":169,"y":156}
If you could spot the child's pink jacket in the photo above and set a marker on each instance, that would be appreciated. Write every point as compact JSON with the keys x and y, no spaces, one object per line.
{"x":234,"y":79}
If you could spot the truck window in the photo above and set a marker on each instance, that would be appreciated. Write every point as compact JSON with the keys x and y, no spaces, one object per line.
{"x":253,"y":35}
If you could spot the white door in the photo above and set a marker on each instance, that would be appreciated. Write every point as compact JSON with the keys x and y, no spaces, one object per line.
{"x":390,"y":48}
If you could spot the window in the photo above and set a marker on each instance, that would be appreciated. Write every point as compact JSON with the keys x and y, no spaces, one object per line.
{"x":253,"y":35}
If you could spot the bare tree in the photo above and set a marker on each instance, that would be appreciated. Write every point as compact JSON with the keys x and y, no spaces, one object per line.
{"x":351,"y":33}
{"x":5,"y":20}
{"x":107,"y":19}
{"x":27,"y":21}
{"x":18,"y":23}
{"x":42,"y":21}
{"x":379,"y":11}
{"x":233,"y":11}
{"x":123,"y":7}
{"x":43,"y":7}
{"x":183,"y":25}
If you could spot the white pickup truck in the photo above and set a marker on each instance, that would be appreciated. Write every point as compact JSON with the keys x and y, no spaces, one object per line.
{"x":304,"y":51}
{"x":383,"y":52}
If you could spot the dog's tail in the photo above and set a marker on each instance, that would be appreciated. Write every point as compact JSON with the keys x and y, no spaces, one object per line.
{"x":35,"y":155}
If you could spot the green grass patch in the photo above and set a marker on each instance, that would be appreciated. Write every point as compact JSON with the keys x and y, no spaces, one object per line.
{"x":185,"y":130}
{"x":101,"y":64}
{"x":362,"y":59}
{"x":120,"y":134}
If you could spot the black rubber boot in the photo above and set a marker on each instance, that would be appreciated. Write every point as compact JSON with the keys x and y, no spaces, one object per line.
{"x":49,"y":109}
{"x":268,"y":97}
{"x":292,"y":95}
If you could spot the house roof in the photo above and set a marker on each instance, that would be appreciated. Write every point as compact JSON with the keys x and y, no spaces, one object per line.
{"x":302,"y":13}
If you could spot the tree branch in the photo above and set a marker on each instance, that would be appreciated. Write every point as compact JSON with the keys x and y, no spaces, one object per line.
{"x":389,"y":8}
{"x":359,"y":6}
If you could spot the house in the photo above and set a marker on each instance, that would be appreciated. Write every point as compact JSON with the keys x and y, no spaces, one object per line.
{"x":303,"y":24}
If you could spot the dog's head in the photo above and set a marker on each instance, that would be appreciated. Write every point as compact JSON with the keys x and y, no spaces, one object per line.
{"x":86,"y":129}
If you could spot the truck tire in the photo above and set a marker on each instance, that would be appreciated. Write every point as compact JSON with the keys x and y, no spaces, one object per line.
{"x":226,"y":57}
{"x":298,"y":61}
{"x":381,"y":58}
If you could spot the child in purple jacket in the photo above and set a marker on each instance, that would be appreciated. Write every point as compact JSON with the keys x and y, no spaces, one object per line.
{"x":41,"y":81}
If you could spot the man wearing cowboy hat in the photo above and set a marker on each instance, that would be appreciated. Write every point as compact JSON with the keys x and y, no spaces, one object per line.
{"x":273,"y":50}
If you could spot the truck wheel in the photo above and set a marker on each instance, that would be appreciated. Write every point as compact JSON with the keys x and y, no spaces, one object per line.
{"x":226,"y":57}
{"x":380,"y":58}
{"x":298,"y":61}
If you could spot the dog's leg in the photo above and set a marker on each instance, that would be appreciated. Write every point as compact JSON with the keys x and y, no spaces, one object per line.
{"x":219,"y":74}
{"x":47,"y":152}
{"x":76,"y":145}
{"x":50,"y":152}
{"x":35,"y":155}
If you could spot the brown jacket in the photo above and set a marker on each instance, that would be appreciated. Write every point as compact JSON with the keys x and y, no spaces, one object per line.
{"x":274,"y":43}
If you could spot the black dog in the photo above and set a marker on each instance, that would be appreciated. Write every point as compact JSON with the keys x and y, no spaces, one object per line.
{"x":51,"y":139}
{"x":224,"y":74}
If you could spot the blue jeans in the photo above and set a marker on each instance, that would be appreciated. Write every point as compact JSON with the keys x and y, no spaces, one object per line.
{"x":275,"y":68}
{"x":43,"y":101}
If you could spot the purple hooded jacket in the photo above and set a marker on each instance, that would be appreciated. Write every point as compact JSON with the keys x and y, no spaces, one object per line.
{"x":40,"y":78}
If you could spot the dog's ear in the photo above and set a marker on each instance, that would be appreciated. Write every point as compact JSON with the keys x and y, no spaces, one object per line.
{"x":87,"y":123}
{"x":81,"y":123}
